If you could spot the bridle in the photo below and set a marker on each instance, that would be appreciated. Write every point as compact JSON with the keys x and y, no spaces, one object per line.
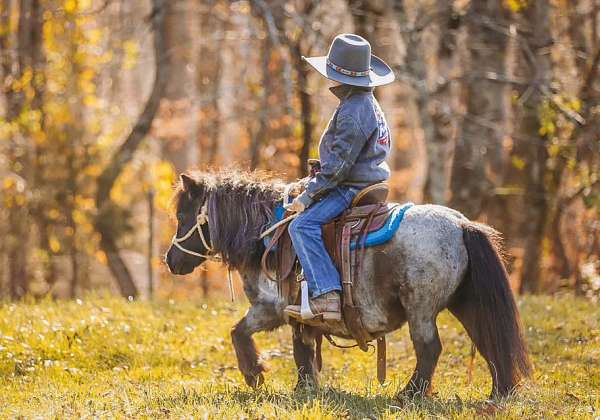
{"x":201,"y":220}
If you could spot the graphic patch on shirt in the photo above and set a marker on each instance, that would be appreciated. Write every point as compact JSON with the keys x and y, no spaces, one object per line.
{"x":383,"y":133}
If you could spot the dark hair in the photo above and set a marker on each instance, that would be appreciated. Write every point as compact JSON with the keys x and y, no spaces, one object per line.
{"x":485,"y":305}
{"x":240,"y":207}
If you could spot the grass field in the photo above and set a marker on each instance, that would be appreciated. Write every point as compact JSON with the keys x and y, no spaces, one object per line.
{"x":104,"y":357}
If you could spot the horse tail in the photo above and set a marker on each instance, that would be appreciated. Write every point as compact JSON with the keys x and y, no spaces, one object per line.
{"x":485,"y":305}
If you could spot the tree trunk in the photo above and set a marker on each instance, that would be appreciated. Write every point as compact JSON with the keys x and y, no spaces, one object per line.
{"x":28,"y":55}
{"x":434,"y":103}
{"x":104,"y":204}
{"x":535,"y":18}
{"x":263,"y":123}
{"x":305,"y":107}
{"x":210,"y":74}
{"x":180,"y":89}
{"x":479,"y":145}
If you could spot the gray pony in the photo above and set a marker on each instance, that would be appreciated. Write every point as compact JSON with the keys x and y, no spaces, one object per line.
{"x":437,"y":259}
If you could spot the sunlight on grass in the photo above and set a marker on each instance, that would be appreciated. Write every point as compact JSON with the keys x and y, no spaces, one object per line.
{"x":108,"y":358}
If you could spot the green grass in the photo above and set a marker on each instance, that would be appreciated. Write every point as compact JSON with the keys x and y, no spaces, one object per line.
{"x":104,"y":357}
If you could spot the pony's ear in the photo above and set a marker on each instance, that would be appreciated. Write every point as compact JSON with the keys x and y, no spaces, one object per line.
{"x":189,"y":185}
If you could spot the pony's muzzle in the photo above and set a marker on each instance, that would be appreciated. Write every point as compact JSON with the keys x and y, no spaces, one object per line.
{"x":178,"y":262}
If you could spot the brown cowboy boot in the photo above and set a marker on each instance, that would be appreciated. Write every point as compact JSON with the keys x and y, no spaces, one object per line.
{"x":328,"y":306}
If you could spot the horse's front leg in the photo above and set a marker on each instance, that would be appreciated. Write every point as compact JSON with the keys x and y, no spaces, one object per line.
{"x":307,"y":360}
{"x":260,"y":317}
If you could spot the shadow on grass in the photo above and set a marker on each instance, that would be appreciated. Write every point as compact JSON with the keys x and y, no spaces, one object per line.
{"x":346,"y":404}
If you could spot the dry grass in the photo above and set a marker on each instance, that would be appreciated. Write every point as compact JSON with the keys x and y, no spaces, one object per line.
{"x":104,"y":357}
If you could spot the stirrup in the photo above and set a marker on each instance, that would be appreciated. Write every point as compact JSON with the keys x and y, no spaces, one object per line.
{"x":305,"y":311}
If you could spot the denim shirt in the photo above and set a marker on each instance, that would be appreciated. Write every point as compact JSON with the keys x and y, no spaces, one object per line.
{"x":354,"y":147}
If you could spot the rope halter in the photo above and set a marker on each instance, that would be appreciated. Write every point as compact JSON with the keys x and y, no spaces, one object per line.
{"x":201,"y":220}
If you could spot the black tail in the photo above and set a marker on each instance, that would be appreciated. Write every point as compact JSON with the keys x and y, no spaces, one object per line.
{"x":485,"y":306}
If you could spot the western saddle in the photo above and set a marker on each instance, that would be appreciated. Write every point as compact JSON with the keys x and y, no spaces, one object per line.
{"x":344,"y":238}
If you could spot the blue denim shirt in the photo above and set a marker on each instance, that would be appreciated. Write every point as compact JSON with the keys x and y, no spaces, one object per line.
{"x":354,"y":147}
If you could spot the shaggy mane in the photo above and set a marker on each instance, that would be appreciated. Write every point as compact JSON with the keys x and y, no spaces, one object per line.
{"x":240,"y":207}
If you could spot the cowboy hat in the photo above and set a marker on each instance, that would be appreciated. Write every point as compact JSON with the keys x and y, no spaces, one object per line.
{"x":350,"y":61}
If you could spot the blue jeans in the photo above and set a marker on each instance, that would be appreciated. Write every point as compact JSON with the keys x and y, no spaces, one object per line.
{"x":305,"y":230}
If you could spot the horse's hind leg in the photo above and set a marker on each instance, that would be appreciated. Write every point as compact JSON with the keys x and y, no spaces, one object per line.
{"x":307,"y":361}
{"x":426,"y":341}
{"x":260,"y":317}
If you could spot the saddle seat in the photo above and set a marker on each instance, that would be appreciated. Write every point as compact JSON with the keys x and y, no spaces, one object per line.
{"x":367,"y":213}
{"x":373,"y":194}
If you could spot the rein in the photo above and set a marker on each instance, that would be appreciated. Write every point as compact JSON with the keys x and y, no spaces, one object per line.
{"x":287,"y":201}
{"x":201,"y":220}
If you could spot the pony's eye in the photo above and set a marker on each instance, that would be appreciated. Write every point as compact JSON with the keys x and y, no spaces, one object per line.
{"x":180,"y":216}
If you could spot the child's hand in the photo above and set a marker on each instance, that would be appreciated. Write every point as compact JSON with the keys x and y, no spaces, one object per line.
{"x":296,"y":206}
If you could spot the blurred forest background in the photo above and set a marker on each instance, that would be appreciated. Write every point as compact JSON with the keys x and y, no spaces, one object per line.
{"x":495,"y":112}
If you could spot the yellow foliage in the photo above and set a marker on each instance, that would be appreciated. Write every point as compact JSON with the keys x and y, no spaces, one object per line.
{"x":574,"y":104}
{"x":90,"y":101}
{"x":94,"y":126}
{"x":131,"y":51}
{"x":20,"y":200}
{"x":79,"y":217}
{"x":516,"y":5}
{"x":547,"y":116}
{"x":164,"y":178}
{"x":85,"y":203}
{"x":85,"y":4}
{"x":101,"y":257}
{"x":122,"y":193}
{"x":87,"y":74}
{"x":70,"y":6}
{"x":54,"y":244}
{"x":554,"y":150}
{"x":94,"y":36}
{"x":93,"y":170}
{"x":39,"y":137}
{"x":53,"y":214}
{"x":24,"y":82}
{"x":518,"y":162}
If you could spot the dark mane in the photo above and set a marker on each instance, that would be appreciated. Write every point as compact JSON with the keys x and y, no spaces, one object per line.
{"x":240,"y":206}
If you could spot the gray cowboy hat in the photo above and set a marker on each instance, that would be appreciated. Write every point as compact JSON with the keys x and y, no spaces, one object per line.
{"x":350,"y":61}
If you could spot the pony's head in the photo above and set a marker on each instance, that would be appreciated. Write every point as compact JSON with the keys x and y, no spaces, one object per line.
{"x":221,"y":213}
{"x":191,"y":244}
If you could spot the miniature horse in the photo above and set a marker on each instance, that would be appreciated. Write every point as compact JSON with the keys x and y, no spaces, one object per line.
{"x":437,"y":259}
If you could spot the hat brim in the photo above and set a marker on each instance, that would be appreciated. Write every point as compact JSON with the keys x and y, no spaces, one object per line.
{"x":380,"y":73}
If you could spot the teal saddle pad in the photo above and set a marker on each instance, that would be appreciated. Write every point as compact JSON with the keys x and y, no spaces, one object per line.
{"x":378,"y":237}
{"x":387,"y":231}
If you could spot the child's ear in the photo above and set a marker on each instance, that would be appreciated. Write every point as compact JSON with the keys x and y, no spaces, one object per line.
{"x":189,"y":185}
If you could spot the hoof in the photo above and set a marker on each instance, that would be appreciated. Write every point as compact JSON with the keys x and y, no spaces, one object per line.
{"x":487,"y":408}
{"x":411,"y":392}
{"x":254,"y":381}
{"x":306,"y":385}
